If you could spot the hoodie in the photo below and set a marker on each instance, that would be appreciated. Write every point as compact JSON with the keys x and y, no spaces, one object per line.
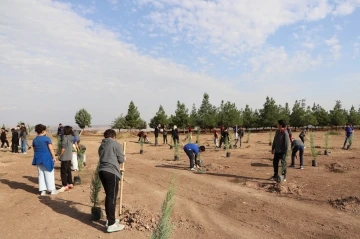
{"x":111,"y":155}
{"x":281,"y":141}
{"x":67,"y":144}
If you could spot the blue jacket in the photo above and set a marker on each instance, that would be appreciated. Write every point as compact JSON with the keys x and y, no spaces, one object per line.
{"x":348,"y":131}
{"x":193,"y":147}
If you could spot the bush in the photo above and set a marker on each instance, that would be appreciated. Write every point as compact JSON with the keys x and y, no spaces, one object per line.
{"x":314,"y":153}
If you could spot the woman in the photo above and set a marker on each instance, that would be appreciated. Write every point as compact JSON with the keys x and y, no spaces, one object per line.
{"x":44,"y":159}
{"x":66,"y":155}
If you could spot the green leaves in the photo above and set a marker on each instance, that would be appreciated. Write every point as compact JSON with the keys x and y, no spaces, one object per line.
{"x":83,"y":118}
{"x":159,"y":118}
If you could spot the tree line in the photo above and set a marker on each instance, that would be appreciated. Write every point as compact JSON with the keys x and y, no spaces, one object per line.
{"x":208,"y":116}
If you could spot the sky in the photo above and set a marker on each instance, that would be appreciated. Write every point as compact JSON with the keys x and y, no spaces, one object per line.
{"x":60,"y":56}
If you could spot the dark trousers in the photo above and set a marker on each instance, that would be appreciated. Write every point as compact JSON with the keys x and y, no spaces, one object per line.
{"x":65,"y":173}
{"x":191,"y":156}
{"x":302,"y":139}
{"x":4,"y":141}
{"x":238,"y":140}
{"x":15,"y":147}
{"x":290,"y":137}
{"x":176,"y":139}
{"x":301,"y":154}
{"x":279,"y":157}
{"x":222,"y":140}
{"x":165,"y":139}
{"x":110,"y":183}
{"x":156,"y":140}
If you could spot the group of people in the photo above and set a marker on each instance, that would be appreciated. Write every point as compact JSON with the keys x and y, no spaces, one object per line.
{"x":18,"y":139}
{"x":157,"y":131}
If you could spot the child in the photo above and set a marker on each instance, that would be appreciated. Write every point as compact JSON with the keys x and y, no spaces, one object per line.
{"x":111,"y":156}
{"x":44,"y":159}
{"x":14,"y":141}
{"x":192,"y":151}
{"x":65,"y":158}
{"x":3,"y":138}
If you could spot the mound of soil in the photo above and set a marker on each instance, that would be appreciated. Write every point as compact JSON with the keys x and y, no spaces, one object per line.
{"x":215,"y":167}
{"x":279,"y":188}
{"x":351,"y":203}
{"x":141,"y":220}
{"x":340,"y":168}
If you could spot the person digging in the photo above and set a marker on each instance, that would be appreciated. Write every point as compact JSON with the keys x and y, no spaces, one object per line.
{"x":192,"y":151}
{"x":297,"y":145}
{"x":280,"y":149}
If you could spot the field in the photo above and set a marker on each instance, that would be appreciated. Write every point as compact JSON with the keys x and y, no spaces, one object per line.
{"x":232,"y":199}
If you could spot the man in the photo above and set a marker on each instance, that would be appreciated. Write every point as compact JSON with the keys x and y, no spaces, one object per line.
{"x":60,"y":131}
{"x":279,"y":149}
{"x":348,"y":135}
{"x":297,"y":145}
{"x":235,"y":129}
{"x":240,"y":136}
{"x":192,"y":151}
{"x":156,"y":132}
{"x":22,"y":126}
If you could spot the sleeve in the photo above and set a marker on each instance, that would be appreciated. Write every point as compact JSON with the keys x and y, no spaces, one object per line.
{"x":273,"y":144}
{"x":287,"y":139}
{"x":64,"y":143}
{"x":119,"y":153}
{"x":48,"y":140}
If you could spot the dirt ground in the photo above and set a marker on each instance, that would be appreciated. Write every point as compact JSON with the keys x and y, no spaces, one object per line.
{"x":232,"y":199}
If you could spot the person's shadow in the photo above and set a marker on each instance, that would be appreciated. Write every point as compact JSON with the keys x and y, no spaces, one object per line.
{"x":67,"y":207}
{"x":17,"y":185}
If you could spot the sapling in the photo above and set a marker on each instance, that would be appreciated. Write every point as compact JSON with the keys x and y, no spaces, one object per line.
{"x":314,"y":153}
{"x":198,"y":136}
{"x":80,"y":160}
{"x":141,"y":145}
{"x":95,"y":189}
{"x":327,"y":136}
{"x":58,"y":145}
{"x":165,"y":227}
{"x":227,"y":143}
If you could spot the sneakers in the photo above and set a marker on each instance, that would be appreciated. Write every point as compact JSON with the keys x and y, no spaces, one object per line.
{"x":301,"y":167}
{"x":24,"y":153}
{"x":70,"y":186}
{"x":292,"y":166}
{"x":273,"y":178}
{"x":63,"y":189}
{"x":116,"y":221}
{"x":115,"y":227}
{"x":192,"y":169}
{"x":43,"y":193}
{"x":54,"y":192}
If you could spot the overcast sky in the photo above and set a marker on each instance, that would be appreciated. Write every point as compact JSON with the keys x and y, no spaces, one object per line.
{"x":60,"y":56}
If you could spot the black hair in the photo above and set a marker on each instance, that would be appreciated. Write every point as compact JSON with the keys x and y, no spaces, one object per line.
{"x":67,"y":130}
{"x":282,"y":123}
{"x":39,"y":128}
{"x":109,"y":133}
{"x":12,"y":129}
{"x":202,"y":148}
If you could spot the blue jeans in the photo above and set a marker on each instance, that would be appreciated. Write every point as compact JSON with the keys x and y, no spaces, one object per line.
{"x":301,"y":154}
{"x":23,"y":146}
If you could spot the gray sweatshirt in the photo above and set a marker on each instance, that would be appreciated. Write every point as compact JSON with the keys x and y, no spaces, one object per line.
{"x":296,"y":142}
{"x":281,"y":141}
{"x":111,"y":155}
{"x":67,"y":144}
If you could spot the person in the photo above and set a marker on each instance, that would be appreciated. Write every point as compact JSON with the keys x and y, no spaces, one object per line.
{"x":44,"y":159}
{"x":156,"y":133}
{"x":224,"y":136}
{"x":175,"y":135}
{"x":216,"y":136}
{"x":289,"y":132}
{"x":165,"y":135}
{"x":3,"y":138}
{"x":192,"y":151}
{"x":297,"y":145}
{"x":240,"y":134}
{"x":22,"y":125}
{"x":19,"y":142}
{"x":142,"y":135}
{"x":279,"y":149}
{"x":236,"y":135}
{"x":190,"y":130}
{"x":302,"y":136}
{"x":348,"y":134}
{"x":111,"y":156}
{"x":23,"y":137}
{"x":65,"y":158}
{"x":14,"y":141}
{"x":60,"y":130}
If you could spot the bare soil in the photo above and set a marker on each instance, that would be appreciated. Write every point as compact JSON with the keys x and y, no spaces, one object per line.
{"x":231,"y":198}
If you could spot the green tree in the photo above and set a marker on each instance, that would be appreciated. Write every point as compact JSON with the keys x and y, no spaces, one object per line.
{"x":159,"y":118}
{"x":193,"y":118}
{"x":119,"y":123}
{"x":297,"y":115}
{"x":83,"y":118}
{"x":338,"y":116}
{"x":133,"y":116}
{"x":248,"y":117}
{"x":284,"y":113}
{"x":309,"y":118}
{"x":321,"y":115}
{"x":207,"y":114}
{"x":142,"y":124}
{"x":256,"y":120}
{"x":269,"y":114}
{"x":354,"y":116}
{"x":228,"y":114}
{"x":181,"y":118}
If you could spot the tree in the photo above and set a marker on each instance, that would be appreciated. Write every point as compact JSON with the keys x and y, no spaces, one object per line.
{"x":354,"y":116}
{"x":269,"y":114}
{"x":256,"y":120}
{"x":133,"y":116}
{"x":159,"y":118}
{"x":83,"y":118}
{"x":142,"y":124}
{"x":248,"y":117}
{"x":297,"y":115}
{"x":193,"y":118}
{"x":181,"y":118}
{"x":206,"y":114}
{"x":309,"y":118}
{"x":119,"y":123}
{"x":228,"y":114}
{"x":321,"y":115}
{"x":338,"y":115}
{"x":284,"y":113}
